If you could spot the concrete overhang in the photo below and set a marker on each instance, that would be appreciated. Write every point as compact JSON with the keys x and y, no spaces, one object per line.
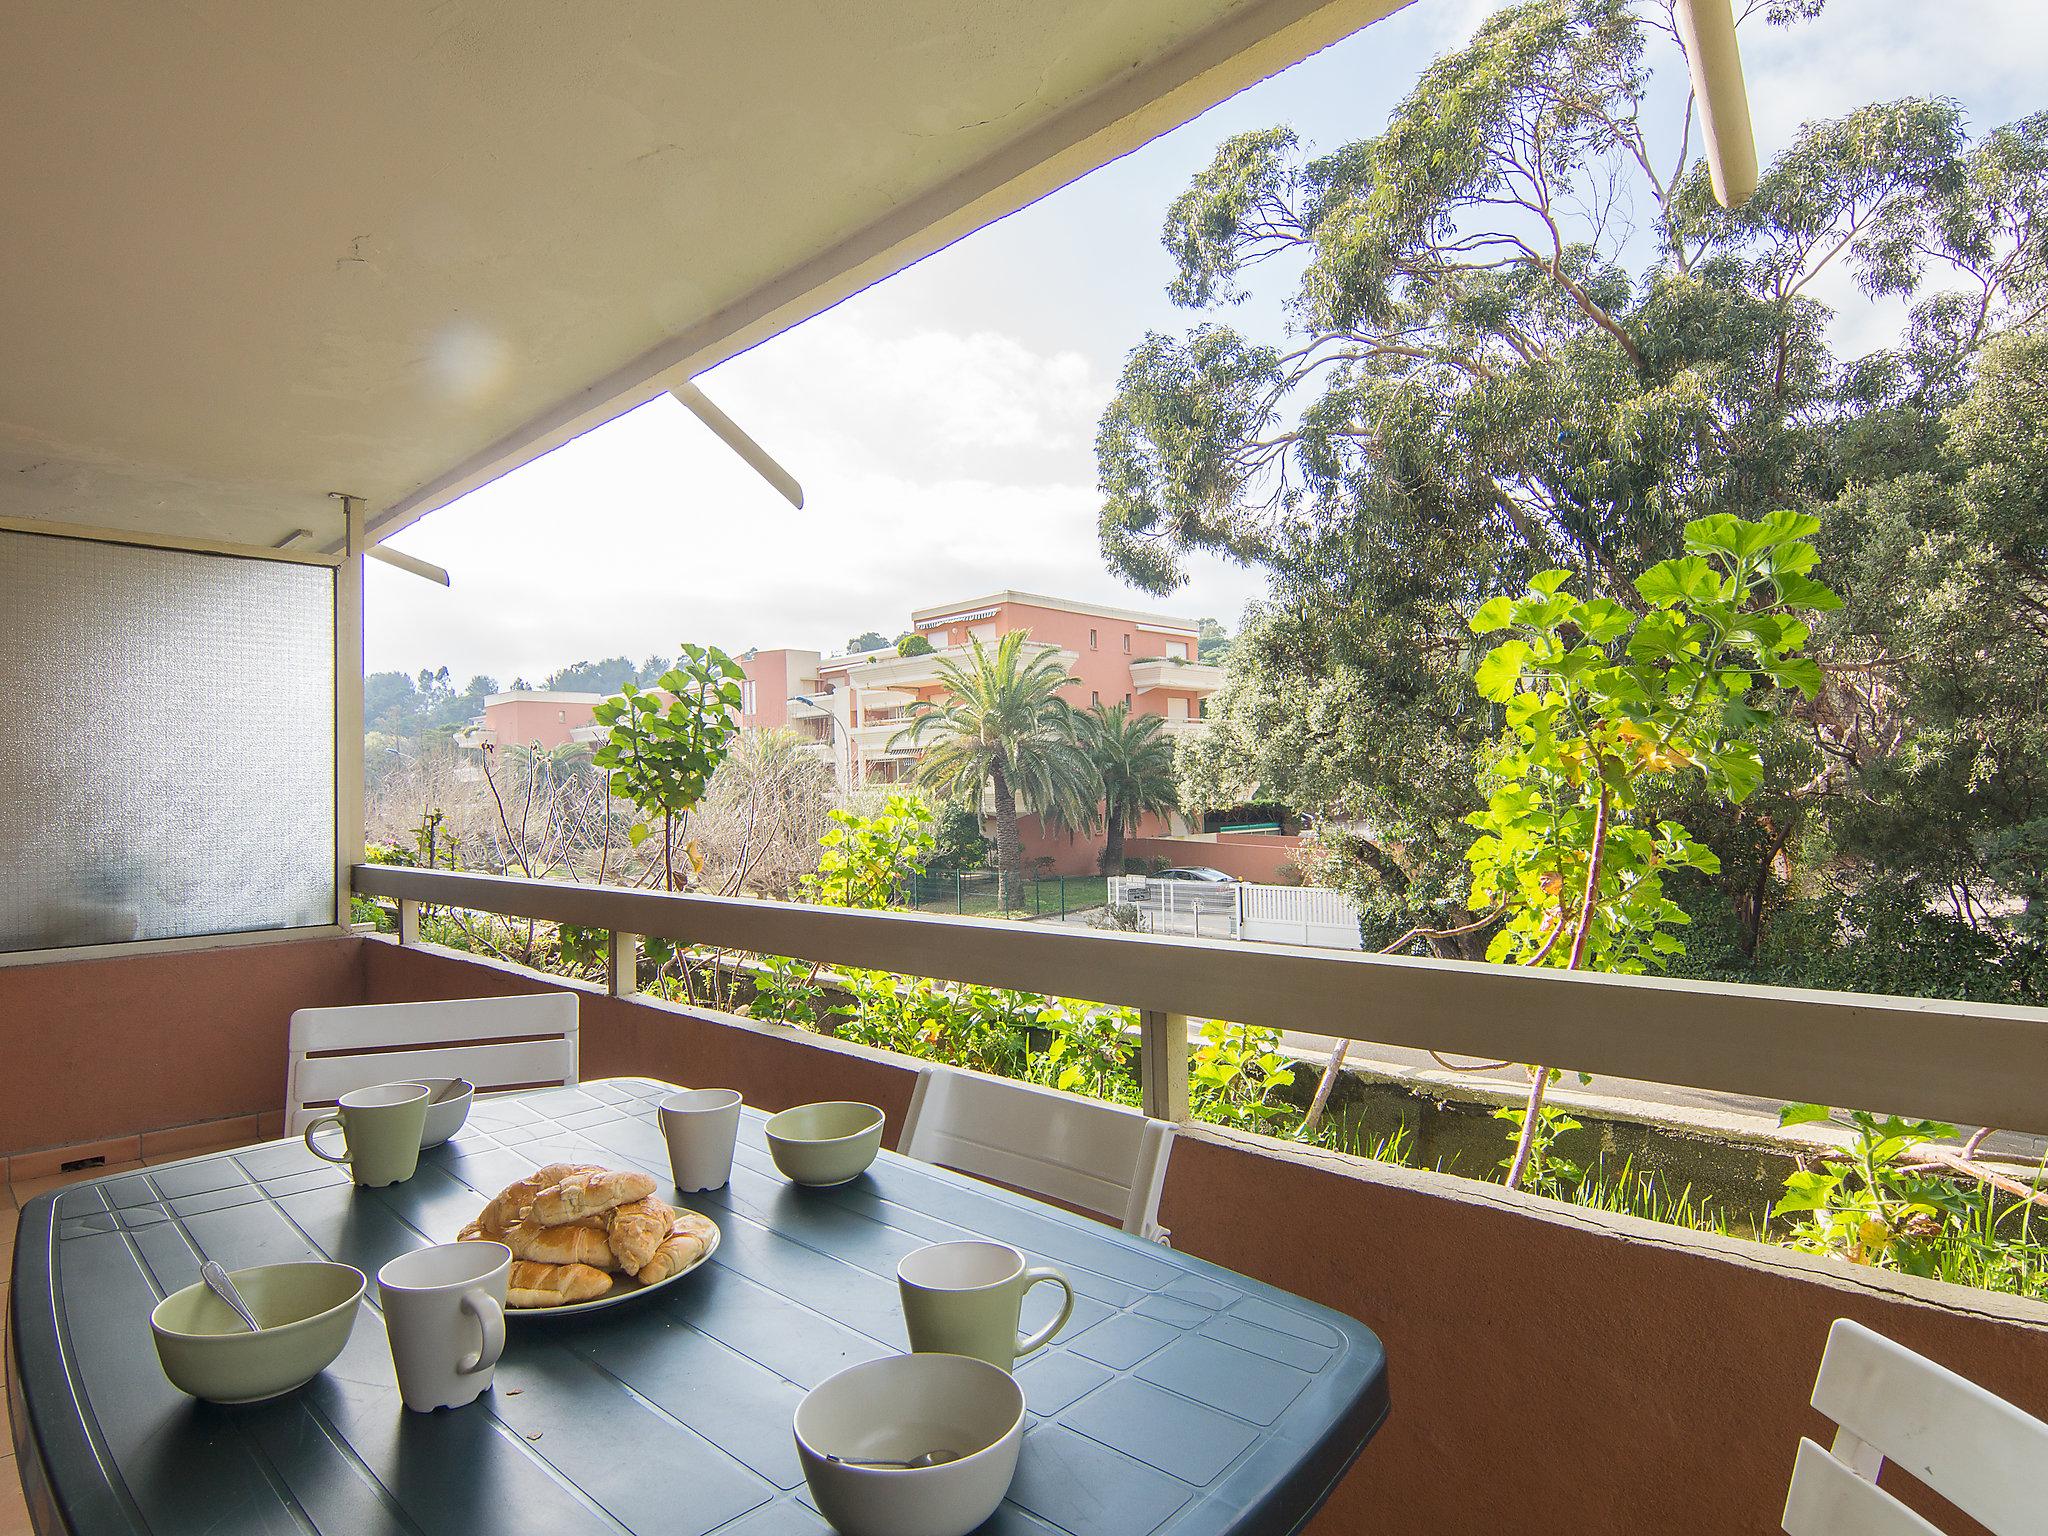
{"x":258,"y":253}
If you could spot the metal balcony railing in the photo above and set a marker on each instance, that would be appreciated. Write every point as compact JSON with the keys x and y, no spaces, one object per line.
{"x":1971,"y":1063}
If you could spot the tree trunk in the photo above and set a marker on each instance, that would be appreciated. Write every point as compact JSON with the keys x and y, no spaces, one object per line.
{"x":1532,"y":1111}
{"x":1009,"y":848}
{"x":1113,"y":848}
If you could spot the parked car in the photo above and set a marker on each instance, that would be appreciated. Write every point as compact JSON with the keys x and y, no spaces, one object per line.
{"x":1197,"y":872}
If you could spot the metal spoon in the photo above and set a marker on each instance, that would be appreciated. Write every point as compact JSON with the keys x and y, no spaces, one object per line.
{"x":218,"y":1282}
{"x":925,"y":1459}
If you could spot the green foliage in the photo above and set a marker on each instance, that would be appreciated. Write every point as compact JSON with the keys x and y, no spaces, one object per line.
{"x":1872,"y":1204}
{"x":1233,"y":1073}
{"x":361,"y":909}
{"x":584,"y":949}
{"x":1549,"y":1174}
{"x":1600,"y":699}
{"x":865,"y":860}
{"x":1090,"y":1048}
{"x":661,"y":748}
{"x":607,"y":676}
{"x":867,"y":640}
{"x":1491,"y":374}
{"x":787,"y":990}
{"x":913,"y":645}
{"x":957,"y":841}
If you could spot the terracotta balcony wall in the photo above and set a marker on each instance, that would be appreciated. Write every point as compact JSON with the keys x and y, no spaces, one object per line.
{"x":1553,"y":1368}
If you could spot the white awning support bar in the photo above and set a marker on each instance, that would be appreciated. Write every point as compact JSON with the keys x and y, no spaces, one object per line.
{"x":1707,"y":29}
{"x":425,"y":569}
{"x":728,"y":431}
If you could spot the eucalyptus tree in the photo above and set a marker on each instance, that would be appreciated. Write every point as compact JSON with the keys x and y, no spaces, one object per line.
{"x":1003,"y":726}
{"x":1132,"y":759}
{"x":1523,"y":337}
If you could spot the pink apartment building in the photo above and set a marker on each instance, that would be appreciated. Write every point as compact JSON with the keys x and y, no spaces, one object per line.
{"x":531,"y":716}
{"x":855,"y":706}
{"x":852,"y":708}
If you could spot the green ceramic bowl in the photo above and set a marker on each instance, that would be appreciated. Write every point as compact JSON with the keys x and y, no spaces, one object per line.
{"x":826,"y":1143}
{"x":306,"y":1311}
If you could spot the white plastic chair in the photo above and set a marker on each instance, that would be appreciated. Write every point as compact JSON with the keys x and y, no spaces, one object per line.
{"x":1099,"y":1157}
{"x":1976,"y":1450}
{"x":495,"y":1042}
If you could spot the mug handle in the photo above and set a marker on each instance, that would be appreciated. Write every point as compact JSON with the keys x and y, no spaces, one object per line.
{"x":333,"y":1120}
{"x":483,"y":1306}
{"x":1033,"y":1276}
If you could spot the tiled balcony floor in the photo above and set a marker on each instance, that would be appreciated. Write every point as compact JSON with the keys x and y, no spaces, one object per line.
{"x":156,"y":1148}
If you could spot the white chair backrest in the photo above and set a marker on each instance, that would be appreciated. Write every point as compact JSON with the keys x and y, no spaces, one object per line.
{"x":1100,"y":1157}
{"x":495,"y":1042}
{"x":1976,"y":1450}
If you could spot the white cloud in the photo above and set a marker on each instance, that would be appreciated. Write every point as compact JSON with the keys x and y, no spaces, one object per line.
{"x":936,"y":464}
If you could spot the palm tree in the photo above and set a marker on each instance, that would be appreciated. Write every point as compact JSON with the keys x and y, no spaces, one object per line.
{"x":1133,"y":760}
{"x":1002,"y":726}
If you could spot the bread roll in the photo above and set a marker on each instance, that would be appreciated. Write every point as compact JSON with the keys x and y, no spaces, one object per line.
{"x":554,"y":1285}
{"x":573,"y":1242}
{"x":497,"y":1218}
{"x":637,"y":1228}
{"x":689,"y":1236}
{"x":589,"y":1192}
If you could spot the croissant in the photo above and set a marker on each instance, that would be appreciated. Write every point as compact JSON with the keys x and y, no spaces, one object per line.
{"x":573,"y":1242}
{"x":689,"y":1237}
{"x":588,"y":1192}
{"x":637,"y":1229}
{"x":496,"y":1218}
{"x":554,"y":1285}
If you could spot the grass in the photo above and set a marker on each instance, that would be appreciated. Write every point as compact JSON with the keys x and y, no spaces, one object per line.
{"x":2001,"y":1246}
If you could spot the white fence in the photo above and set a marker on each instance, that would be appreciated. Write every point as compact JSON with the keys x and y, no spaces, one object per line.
{"x":1273,"y":914}
{"x":1298,"y":914}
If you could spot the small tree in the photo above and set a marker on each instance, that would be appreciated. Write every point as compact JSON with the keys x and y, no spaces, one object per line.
{"x":1601,"y":701}
{"x":863,"y":861}
{"x":663,"y":747}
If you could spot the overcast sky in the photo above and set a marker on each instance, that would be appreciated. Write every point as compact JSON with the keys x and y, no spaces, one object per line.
{"x":942,"y":423}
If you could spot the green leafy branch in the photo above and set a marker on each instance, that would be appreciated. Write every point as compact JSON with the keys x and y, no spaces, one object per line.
{"x":1600,"y":700}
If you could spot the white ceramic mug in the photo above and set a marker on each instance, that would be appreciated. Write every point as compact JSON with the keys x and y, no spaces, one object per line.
{"x":967,"y":1299}
{"x":701,"y":1126}
{"x":444,"y":1312}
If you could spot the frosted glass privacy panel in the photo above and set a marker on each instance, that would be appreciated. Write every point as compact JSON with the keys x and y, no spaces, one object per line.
{"x":166,"y":743}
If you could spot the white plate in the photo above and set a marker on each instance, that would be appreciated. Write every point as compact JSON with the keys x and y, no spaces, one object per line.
{"x":624,"y":1287}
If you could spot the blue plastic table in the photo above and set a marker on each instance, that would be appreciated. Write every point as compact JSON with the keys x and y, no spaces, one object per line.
{"x":1181,"y":1397}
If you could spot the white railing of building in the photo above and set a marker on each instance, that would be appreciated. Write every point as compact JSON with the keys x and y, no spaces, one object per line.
{"x":1270,"y":914}
{"x":1196,"y":908}
{"x":1970,"y":1063}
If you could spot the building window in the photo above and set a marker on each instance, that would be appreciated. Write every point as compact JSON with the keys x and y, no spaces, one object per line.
{"x":1127,"y":701}
{"x":746,"y":696}
{"x":1091,"y":640}
{"x":1177,"y":649}
{"x":1095,"y":698}
{"x":561,"y":717}
{"x":1127,"y":645}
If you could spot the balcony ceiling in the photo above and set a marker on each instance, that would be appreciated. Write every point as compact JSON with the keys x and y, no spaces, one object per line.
{"x":254,"y":253}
